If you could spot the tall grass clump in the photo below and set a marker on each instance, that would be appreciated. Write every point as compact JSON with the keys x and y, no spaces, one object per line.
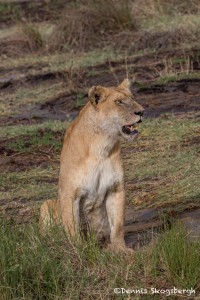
{"x":30,"y":267}
{"x":33,"y":266}
{"x":126,"y":25}
{"x":171,"y":260}
{"x":180,"y":257}
{"x":33,"y":36}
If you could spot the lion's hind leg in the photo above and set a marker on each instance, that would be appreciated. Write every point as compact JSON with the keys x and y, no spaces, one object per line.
{"x":49,"y":214}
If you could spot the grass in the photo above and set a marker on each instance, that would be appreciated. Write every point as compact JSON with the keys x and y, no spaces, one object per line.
{"x":37,"y":185}
{"x":60,"y":61}
{"x":32,"y":129}
{"x":7,"y":10}
{"x":89,"y":23}
{"x":60,"y":270}
{"x":167,"y":79}
{"x":35,"y":39}
{"x":79,"y":100}
{"x":54,"y":267}
{"x":29,"y":97}
{"x":123,"y":21}
{"x":43,"y":138}
{"x":163,"y":168}
{"x":140,"y":25}
{"x":180,"y":257}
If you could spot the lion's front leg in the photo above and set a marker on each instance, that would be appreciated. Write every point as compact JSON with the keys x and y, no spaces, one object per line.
{"x":115,"y":206}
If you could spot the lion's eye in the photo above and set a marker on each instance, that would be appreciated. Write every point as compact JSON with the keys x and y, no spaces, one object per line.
{"x":119,"y":101}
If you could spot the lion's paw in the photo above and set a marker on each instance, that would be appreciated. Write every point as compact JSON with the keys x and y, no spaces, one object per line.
{"x":120,"y":249}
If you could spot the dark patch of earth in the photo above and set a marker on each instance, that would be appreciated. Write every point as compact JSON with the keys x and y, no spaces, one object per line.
{"x":13,"y":159}
{"x":22,"y":162}
{"x":175,"y":97}
{"x":142,"y":226}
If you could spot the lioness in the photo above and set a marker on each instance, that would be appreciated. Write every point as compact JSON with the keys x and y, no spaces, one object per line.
{"x":91,"y":182}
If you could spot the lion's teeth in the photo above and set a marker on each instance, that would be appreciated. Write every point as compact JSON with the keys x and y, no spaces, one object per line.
{"x":131,"y":127}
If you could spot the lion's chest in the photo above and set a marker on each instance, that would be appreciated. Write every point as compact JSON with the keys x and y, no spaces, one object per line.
{"x":99,"y":178}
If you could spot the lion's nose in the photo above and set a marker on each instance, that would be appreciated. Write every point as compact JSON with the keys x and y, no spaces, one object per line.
{"x":139,"y":113}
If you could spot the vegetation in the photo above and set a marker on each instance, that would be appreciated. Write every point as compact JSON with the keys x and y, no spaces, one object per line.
{"x":51,"y":53}
{"x":164,"y":173}
{"x":88,"y":25}
{"x":35,"y":39}
{"x":54,"y":267}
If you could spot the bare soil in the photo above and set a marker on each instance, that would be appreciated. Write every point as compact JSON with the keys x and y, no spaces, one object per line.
{"x":15,"y":159}
{"x":142,"y":226}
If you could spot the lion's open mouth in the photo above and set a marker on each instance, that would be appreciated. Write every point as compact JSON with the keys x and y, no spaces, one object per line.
{"x":130,"y":129}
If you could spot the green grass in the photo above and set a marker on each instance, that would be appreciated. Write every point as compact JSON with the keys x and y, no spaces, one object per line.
{"x":163,"y":167}
{"x":60,"y":61}
{"x":34,"y":36}
{"x":53,"y":267}
{"x":79,"y":100}
{"x":175,"y":77}
{"x":9,"y":11}
{"x":21,"y":130}
{"x":180,"y":257}
{"x":46,"y":139}
{"x":37,"y":184}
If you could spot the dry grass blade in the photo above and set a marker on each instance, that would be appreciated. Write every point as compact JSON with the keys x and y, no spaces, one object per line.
{"x":85,"y":26}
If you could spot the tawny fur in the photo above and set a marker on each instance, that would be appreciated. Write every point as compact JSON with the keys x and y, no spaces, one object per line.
{"x":91,"y":181}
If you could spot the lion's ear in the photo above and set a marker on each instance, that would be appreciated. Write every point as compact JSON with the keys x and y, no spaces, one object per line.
{"x":125,"y":84}
{"x":96,"y":94}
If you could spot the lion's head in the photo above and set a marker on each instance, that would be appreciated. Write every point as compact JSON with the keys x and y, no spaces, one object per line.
{"x":117,"y":110}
